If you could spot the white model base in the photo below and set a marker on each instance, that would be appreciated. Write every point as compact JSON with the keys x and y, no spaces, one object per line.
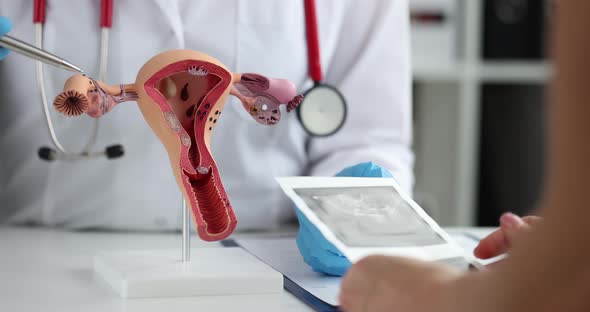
{"x":161,"y":273}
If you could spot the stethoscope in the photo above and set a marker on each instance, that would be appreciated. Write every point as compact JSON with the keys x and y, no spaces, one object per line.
{"x":60,"y":152}
{"x":322,"y":112}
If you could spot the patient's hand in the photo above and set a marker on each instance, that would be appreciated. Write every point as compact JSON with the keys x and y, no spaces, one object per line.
{"x":383,"y":283}
{"x":500,"y":241}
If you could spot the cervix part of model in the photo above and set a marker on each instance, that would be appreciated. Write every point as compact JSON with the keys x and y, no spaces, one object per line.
{"x":181,"y":95}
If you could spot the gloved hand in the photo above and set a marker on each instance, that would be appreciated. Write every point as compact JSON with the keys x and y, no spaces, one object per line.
{"x":5,"y":26}
{"x":316,"y":250}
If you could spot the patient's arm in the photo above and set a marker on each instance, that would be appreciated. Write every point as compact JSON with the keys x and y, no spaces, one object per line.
{"x":82,"y":94}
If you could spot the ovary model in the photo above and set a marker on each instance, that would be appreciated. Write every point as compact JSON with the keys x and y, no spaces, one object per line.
{"x":181,"y":95}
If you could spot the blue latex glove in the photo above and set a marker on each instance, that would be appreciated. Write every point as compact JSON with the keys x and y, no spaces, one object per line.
{"x":5,"y":26}
{"x":316,"y":250}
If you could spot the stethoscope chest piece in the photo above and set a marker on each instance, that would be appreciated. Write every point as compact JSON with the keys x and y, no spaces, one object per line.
{"x":323,"y":110}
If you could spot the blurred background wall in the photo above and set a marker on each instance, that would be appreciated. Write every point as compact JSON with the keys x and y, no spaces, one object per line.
{"x":480,"y":71}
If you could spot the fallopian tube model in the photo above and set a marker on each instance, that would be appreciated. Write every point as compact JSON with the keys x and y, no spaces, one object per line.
{"x":181,"y":95}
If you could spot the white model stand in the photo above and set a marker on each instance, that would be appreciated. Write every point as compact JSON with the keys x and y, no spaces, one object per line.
{"x":162,"y":273}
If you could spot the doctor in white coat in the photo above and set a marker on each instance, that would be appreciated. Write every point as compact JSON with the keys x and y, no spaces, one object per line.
{"x":364,"y":53}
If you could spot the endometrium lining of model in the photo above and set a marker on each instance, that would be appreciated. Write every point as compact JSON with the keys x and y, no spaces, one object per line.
{"x":181,"y":95}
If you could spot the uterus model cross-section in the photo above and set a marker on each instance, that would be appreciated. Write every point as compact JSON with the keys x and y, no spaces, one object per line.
{"x":181,"y":94}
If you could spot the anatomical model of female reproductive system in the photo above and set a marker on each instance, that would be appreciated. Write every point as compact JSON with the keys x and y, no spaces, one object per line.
{"x":181,"y":95}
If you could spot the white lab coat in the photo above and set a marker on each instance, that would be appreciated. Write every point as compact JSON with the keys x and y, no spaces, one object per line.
{"x":364,"y":52}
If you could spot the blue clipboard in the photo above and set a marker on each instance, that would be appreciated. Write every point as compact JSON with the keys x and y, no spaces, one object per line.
{"x":299,"y":292}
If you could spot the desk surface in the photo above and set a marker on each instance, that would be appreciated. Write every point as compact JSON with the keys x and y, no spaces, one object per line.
{"x":51,"y":270}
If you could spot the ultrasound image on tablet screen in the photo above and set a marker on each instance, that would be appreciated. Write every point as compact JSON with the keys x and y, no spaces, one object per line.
{"x":369,"y":216}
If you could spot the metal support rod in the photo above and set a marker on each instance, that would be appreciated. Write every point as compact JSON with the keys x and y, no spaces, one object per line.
{"x":186,"y":232}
